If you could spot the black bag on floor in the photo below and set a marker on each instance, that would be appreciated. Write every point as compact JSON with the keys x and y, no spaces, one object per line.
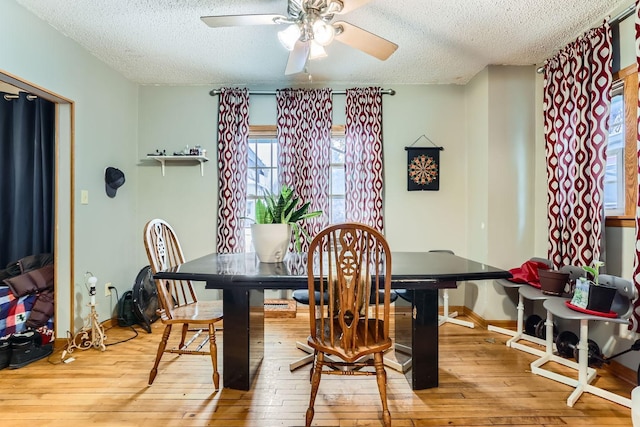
{"x":126,"y":316}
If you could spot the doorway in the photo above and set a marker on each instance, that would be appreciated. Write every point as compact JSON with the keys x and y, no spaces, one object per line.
{"x":63,"y":200}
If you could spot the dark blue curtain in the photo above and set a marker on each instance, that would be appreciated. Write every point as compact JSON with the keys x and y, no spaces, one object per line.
{"x":27,"y":177}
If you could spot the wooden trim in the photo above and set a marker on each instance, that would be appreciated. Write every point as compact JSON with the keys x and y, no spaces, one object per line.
{"x":620,"y":371}
{"x":271,"y":130}
{"x":626,"y":71}
{"x":33,"y":88}
{"x":630,"y":94}
{"x":630,"y":143}
{"x":72,"y":228}
{"x":620,"y":221}
{"x":262,"y":130}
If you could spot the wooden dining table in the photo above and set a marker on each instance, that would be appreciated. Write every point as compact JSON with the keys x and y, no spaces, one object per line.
{"x":243,"y":280}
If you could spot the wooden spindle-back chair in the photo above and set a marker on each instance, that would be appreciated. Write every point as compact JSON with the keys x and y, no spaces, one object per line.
{"x":179,"y":303}
{"x":348,"y":263}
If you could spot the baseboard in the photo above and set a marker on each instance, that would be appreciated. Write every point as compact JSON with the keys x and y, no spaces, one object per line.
{"x":618,"y":370}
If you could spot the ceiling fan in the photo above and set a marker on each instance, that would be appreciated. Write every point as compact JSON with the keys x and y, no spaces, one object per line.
{"x":310,"y":27}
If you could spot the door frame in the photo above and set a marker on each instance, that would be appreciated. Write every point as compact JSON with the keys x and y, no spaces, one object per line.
{"x":64,"y":206}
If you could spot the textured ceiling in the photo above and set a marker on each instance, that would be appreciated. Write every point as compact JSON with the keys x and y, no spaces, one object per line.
{"x":440,"y":41}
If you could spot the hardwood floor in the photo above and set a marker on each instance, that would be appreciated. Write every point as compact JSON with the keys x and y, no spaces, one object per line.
{"x":482,"y":383}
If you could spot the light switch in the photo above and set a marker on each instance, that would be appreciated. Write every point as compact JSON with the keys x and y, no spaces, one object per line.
{"x":84,"y":197}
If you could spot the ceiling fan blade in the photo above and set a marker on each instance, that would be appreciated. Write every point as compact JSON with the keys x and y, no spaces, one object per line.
{"x":297,"y":58}
{"x":349,"y":5}
{"x":364,"y":40}
{"x":294,"y":8}
{"x":240,"y":20}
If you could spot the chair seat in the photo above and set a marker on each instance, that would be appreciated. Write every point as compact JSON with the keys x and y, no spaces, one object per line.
{"x":302,"y":296}
{"x":201,"y":312}
{"x":506,"y":283}
{"x":533,"y":294}
{"x":322,"y":342}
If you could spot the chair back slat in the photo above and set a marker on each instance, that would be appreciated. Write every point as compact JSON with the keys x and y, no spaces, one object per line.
{"x":164,"y":252}
{"x":349,"y":262}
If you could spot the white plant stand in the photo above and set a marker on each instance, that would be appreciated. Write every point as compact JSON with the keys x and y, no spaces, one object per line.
{"x":585,"y":374}
{"x":528,"y":292}
{"x":451,"y":317}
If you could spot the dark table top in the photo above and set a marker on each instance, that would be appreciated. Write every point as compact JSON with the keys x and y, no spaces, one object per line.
{"x":410,"y":270}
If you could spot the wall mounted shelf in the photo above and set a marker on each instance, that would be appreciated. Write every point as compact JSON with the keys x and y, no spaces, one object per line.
{"x":194,"y":159}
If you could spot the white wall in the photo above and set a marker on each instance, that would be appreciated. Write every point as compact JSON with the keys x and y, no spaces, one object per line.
{"x":500,"y":112}
{"x":106,"y":110}
{"x":171,"y":117}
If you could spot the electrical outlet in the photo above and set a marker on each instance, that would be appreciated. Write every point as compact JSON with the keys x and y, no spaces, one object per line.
{"x":107,"y":291}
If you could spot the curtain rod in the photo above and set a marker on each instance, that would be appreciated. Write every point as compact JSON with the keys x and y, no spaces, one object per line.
{"x":215,"y":92}
{"x":615,"y":21}
{"x":9,"y":97}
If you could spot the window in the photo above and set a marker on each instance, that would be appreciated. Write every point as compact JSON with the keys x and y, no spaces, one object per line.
{"x":620,"y":182}
{"x":614,"y":202}
{"x":263,"y":172}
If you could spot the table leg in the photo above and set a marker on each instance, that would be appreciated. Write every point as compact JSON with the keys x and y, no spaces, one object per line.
{"x":243,"y":337}
{"x":421,"y":336}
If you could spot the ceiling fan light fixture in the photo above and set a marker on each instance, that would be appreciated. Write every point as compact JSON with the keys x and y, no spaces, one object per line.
{"x":289,"y":36}
{"x":323,"y":33}
{"x":334,"y":6}
{"x":316,"y":51}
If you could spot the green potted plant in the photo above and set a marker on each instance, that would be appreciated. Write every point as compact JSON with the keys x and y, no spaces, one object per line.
{"x":594,"y":271}
{"x":590,"y":294}
{"x":276,"y":216}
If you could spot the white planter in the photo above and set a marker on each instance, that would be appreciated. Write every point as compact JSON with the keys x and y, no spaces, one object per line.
{"x":271,"y":241}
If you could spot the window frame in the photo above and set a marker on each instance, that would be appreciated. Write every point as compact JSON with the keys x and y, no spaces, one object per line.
{"x":629,"y":75}
{"x":270,"y":132}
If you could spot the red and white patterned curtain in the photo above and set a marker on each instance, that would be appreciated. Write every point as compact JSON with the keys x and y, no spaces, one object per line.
{"x":635,"y":318}
{"x":233,"y":141}
{"x":304,"y":118}
{"x":577,"y":85}
{"x":363,"y":157}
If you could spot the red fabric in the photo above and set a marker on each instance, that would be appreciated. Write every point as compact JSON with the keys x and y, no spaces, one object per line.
{"x":304,"y":140}
{"x":363,"y":157}
{"x":577,"y":85}
{"x":233,"y":140}
{"x":528,"y":273}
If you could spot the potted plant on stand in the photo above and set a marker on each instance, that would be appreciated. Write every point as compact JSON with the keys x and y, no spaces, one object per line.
{"x":592,"y":295}
{"x":277,"y":215}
